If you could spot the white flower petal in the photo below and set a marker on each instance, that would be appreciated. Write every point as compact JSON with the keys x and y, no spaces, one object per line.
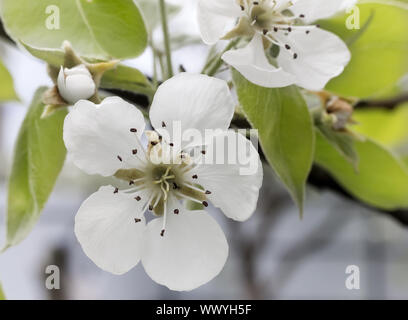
{"x":234,"y":185}
{"x":107,"y":231}
{"x":97,"y":135}
{"x":194,"y":102}
{"x":214,"y":18}
{"x":192,"y":251}
{"x":320,"y":9}
{"x":252,"y":63}
{"x":75,"y":84}
{"x":80,"y":69}
{"x":321,"y":56}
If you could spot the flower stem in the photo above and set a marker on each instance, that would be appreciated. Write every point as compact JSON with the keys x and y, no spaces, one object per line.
{"x":212,"y":68}
{"x":155,"y":61}
{"x":166,"y":38}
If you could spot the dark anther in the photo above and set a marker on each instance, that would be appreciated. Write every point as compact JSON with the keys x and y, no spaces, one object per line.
{"x":255,"y":3}
{"x":137,"y":220}
{"x":295,"y":56}
{"x":265,"y":31}
{"x":163,"y":124}
{"x":195,"y":177}
{"x":120,"y":158}
{"x":131,"y":182}
{"x":287,"y":46}
{"x":175,"y":186}
{"x":242,"y":8}
{"x":205,"y":203}
{"x":275,"y":29}
{"x":162,"y":232}
{"x":150,"y":207}
{"x":153,"y":143}
{"x":290,"y":29}
{"x":176,"y":211}
{"x":203,"y":152}
{"x":138,"y":198}
{"x":307,"y":31}
{"x":116,"y":190}
{"x":133,"y":130}
{"x":302,"y":16}
{"x":208,"y":192}
{"x":171,"y":144}
{"x":134,"y":151}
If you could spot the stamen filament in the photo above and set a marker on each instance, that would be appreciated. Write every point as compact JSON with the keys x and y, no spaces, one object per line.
{"x":164,"y":218}
{"x":192,"y":186}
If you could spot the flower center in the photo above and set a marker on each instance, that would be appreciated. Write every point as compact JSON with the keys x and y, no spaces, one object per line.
{"x":263,"y":17}
{"x":273,"y":21}
{"x":265,"y":14}
{"x":165,"y":175}
{"x":165,"y":181}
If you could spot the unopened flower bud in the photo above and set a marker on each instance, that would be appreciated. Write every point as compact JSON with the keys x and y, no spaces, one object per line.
{"x":76,"y":84}
{"x":342,"y":110}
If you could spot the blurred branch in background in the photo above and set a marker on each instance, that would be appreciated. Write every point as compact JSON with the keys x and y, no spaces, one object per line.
{"x":59,"y":256}
{"x":382,"y":103}
{"x":300,"y":251}
{"x":323,"y":181}
{"x":250,"y":247}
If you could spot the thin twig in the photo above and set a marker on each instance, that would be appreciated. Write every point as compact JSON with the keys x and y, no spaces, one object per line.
{"x":163,"y":14}
{"x":384,"y":103}
{"x":215,"y":65}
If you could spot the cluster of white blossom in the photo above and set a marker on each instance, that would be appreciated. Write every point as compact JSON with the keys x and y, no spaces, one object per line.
{"x":180,"y":248}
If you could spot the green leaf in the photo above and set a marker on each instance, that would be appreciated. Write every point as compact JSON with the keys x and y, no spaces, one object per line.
{"x":379,"y":50}
{"x":381,"y":179}
{"x":54,"y":57}
{"x":7,"y":91}
{"x":343,"y":142}
{"x":388,"y":127}
{"x":2,"y":295}
{"x":122,"y":77}
{"x":127,"y":78}
{"x":38,"y":159}
{"x":285,"y":131}
{"x":99,"y":28}
{"x":405,"y":159}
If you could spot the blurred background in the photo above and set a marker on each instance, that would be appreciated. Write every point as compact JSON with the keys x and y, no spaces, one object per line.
{"x":274,"y":255}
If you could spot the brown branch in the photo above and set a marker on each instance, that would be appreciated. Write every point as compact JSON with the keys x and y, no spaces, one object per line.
{"x":140,"y":100}
{"x":251,"y":246}
{"x":4,"y":35}
{"x":390,"y":104}
{"x":323,"y":181}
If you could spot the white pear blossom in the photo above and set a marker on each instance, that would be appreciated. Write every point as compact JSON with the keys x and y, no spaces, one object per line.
{"x":75,"y":84}
{"x":180,"y":249}
{"x":307,"y":55}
